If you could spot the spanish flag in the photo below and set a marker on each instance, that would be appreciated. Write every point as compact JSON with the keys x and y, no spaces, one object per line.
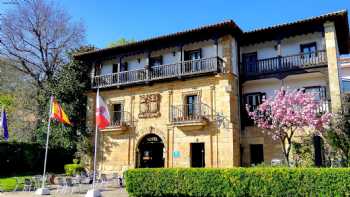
{"x":58,"y":113}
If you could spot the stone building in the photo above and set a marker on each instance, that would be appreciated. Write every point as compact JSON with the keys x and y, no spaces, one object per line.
{"x":178,"y":100}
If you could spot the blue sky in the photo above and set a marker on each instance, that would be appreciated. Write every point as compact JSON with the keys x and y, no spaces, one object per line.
{"x":109,"y":20}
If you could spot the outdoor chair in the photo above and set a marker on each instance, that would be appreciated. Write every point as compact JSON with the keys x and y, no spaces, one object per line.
{"x":61,"y":187}
{"x":79,"y":182}
{"x":36,"y":181}
{"x":70,"y":185}
{"x":27,"y":185}
{"x":103,"y":181}
{"x":115,"y":178}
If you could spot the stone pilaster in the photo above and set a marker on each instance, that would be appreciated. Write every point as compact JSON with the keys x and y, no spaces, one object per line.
{"x":333,"y":71}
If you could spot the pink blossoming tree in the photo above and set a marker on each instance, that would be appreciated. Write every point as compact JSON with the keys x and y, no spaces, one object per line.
{"x":287,"y":112}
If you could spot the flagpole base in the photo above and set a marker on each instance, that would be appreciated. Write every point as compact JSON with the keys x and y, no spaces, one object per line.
{"x":42,"y":191}
{"x":93,"y":193}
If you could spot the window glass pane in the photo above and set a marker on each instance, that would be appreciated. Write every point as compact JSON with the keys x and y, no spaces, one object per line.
{"x":346,"y":86}
{"x":319,"y":92}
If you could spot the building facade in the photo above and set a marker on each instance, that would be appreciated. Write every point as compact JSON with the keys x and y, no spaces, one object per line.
{"x":179,"y":100}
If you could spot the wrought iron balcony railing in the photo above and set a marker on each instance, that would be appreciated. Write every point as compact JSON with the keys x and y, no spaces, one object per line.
{"x":285,"y":63}
{"x":190,"y":113}
{"x":120,"y":120}
{"x":176,"y":70}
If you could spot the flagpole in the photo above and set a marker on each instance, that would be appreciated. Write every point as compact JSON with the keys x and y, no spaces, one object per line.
{"x":47,"y":143}
{"x":95,"y":152}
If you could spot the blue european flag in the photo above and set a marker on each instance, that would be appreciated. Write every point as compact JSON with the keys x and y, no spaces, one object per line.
{"x":3,"y":124}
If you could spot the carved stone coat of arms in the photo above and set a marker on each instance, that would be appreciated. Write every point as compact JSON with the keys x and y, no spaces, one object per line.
{"x":149,"y":106}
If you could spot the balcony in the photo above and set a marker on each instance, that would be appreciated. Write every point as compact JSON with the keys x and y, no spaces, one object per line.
{"x":283,"y":65}
{"x":190,"y":116}
{"x":121,"y":121}
{"x":163,"y":72}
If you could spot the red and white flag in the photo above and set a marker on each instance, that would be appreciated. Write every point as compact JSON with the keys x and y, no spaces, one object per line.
{"x":102,"y":114}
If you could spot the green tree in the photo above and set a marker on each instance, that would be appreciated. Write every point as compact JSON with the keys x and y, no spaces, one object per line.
{"x":69,"y":87}
{"x":16,"y":94}
{"x":121,"y":41}
{"x":338,"y":137}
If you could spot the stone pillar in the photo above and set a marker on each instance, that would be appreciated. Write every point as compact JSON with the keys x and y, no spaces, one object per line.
{"x":333,"y":71}
{"x":227,"y":53}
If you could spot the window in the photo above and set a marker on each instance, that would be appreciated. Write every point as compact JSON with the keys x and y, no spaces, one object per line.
{"x":156,"y":61}
{"x":253,"y":100}
{"x":346,"y":85}
{"x":319,"y":91}
{"x":309,"y":49}
{"x":117,"y":113}
{"x":320,"y":96}
{"x":191,"y":106}
{"x":124,"y":66}
{"x":193,"y":55}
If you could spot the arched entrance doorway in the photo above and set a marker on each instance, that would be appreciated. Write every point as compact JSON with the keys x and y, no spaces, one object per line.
{"x":150,"y":152}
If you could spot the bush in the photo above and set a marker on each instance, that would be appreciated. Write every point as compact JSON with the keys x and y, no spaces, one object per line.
{"x":17,"y":158}
{"x":238,"y":182}
{"x":73,"y":169}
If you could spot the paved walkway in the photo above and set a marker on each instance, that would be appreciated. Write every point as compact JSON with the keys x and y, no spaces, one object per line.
{"x":109,"y":192}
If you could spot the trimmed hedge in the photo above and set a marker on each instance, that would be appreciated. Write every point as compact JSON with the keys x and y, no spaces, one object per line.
{"x":22,"y":158}
{"x":239,"y":182}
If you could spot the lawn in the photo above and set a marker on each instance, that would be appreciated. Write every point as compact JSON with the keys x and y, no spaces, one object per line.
{"x":9,"y":183}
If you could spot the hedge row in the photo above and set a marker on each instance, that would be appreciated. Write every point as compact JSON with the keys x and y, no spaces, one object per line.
{"x":239,"y":182}
{"x":26,"y":158}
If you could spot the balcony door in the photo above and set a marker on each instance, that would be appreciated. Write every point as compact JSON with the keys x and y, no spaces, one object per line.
{"x":117,"y":114}
{"x":250,"y":61}
{"x":191,"y":107}
{"x":192,"y":58}
{"x":155,"y":63}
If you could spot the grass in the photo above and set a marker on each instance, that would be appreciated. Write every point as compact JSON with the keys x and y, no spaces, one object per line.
{"x":9,"y":183}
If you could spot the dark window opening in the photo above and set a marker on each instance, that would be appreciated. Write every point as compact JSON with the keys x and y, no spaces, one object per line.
{"x":124,"y":67}
{"x":115,"y":68}
{"x":250,"y":62}
{"x":156,"y":61}
{"x":253,"y":100}
{"x":308,"y":50}
{"x":256,"y":154}
{"x":123,"y":77}
{"x":193,"y":55}
{"x":117,"y":113}
{"x":197,"y":155}
{"x":98,"y":69}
